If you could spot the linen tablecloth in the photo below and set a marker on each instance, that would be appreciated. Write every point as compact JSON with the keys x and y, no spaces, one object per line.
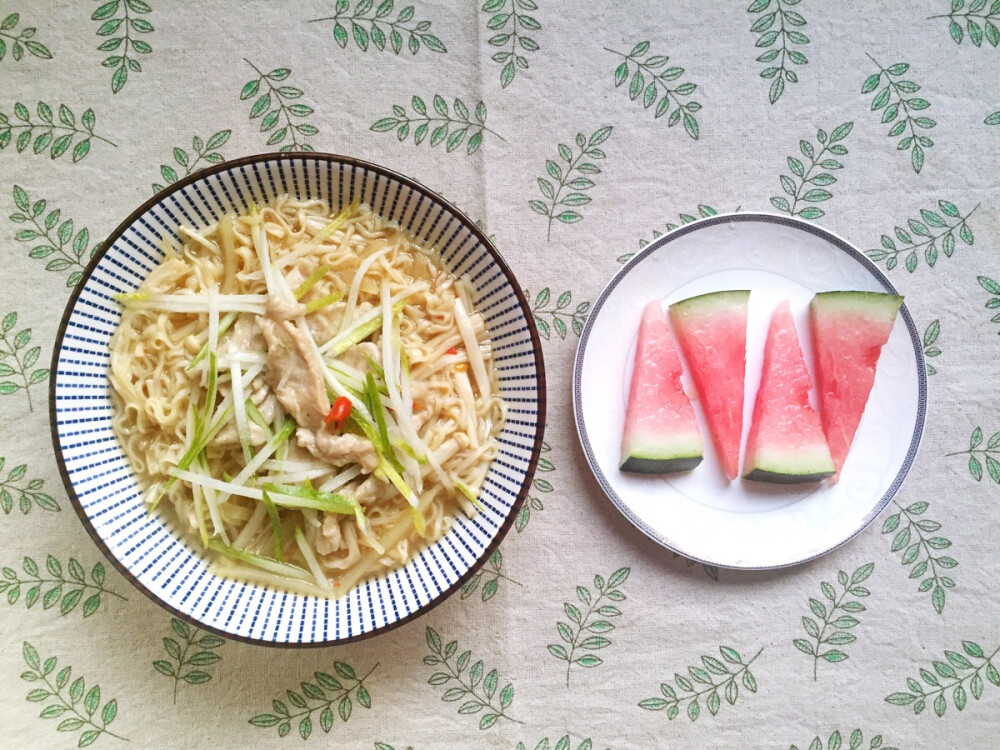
{"x":576,"y":133}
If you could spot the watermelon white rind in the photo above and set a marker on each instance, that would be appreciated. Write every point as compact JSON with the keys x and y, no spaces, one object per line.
{"x":786,"y":444}
{"x":849,"y":330}
{"x":661,"y":433}
{"x":711,"y":329}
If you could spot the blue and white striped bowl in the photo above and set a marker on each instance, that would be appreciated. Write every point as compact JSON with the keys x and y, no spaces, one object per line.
{"x":147,"y":549}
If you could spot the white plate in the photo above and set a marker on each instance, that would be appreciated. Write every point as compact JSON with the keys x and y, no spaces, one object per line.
{"x":698,"y":514}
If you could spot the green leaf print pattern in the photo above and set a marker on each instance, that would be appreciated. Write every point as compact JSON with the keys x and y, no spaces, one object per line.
{"x":276,"y":114}
{"x":182,"y":658}
{"x":66,"y":589}
{"x":67,"y":702}
{"x":478,"y":688}
{"x":369,"y":23}
{"x":778,"y":31}
{"x":563,"y":743}
{"x":321,"y":696}
{"x":975,"y":19}
{"x":703,"y":213}
{"x":993,"y":288}
{"x":44,"y":130}
{"x":647,"y":78}
{"x":70,"y":250}
{"x":121,"y":22}
{"x":19,"y":41}
{"x":931,"y":350}
{"x":832,"y":629}
{"x":27,"y":495}
{"x":806,"y":187}
{"x":911,"y":537}
{"x":586,"y":634}
{"x":386,"y":746}
{"x":854,"y":742}
{"x":551,"y":316}
{"x":538,"y":484}
{"x":980,"y":454}
{"x":573,"y":176}
{"x":510,"y":24}
{"x":924,"y":237}
{"x":16,"y":360}
{"x":957,"y":677}
{"x":892,"y":102}
{"x":449,"y":127}
{"x":710,"y":570}
{"x":204,"y":151}
{"x":705,"y":681}
{"x":993,"y":119}
{"x":490,"y":575}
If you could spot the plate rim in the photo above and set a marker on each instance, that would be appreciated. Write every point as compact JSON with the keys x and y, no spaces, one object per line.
{"x":741,"y":217}
{"x":333,"y":159}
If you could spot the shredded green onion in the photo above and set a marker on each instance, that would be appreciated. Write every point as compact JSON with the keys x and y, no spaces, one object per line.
{"x":465,"y":490}
{"x":227,"y":320}
{"x":321,"y":302}
{"x":291,"y":496}
{"x":361,"y":331}
{"x":302,"y":289}
{"x":400,"y":484}
{"x":272,"y":513}
{"x":273,"y":566}
{"x":202,"y":438}
{"x":255,"y":416}
{"x":373,"y":400}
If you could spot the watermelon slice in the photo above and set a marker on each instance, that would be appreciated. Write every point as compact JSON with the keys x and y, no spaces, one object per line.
{"x":661,"y":433}
{"x":786,"y":443}
{"x":848,"y":332}
{"x":712,"y":331}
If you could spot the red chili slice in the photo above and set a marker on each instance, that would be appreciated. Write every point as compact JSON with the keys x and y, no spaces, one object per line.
{"x":339,"y":413}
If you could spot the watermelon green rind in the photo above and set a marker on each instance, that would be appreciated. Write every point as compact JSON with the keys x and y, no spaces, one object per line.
{"x":660,"y":433}
{"x":786,"y":443}
{"x":711,"y":330}
{"x":791,"y":467}
{"x":876,"y":304}
{"x":849,"y":329}
{"x":662,"y":456}
{"x":710,"y":302}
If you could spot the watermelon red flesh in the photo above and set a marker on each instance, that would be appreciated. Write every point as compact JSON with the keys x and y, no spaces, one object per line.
{"x":848,"y":332}
{"x":661,"y":432}
{"x":712,"y":331}
{"x":786,"y":442}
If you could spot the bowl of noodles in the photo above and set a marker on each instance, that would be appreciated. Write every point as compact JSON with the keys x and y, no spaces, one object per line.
{"x":298,"y":399}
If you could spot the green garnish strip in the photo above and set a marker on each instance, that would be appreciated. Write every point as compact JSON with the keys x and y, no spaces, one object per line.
{"x":362,"y":329}
{"x":404,"y":490}
{"x":335,"y":223}
{"x":256,"y":417}
{"x":227,"y":320}
{"x":373,"y":400}
{"x":272,"y":566}
{"x":302,"y":289}
{"x":467,"y":491}
{"x":265,"y":452}
{"x":276,"y":532}
{"x":291,"y":496}
{"x":321,"y":302}
{"x":201,"y":439}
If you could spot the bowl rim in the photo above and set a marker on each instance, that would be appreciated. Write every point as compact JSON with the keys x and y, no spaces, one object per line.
{"x":330,"y":158}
